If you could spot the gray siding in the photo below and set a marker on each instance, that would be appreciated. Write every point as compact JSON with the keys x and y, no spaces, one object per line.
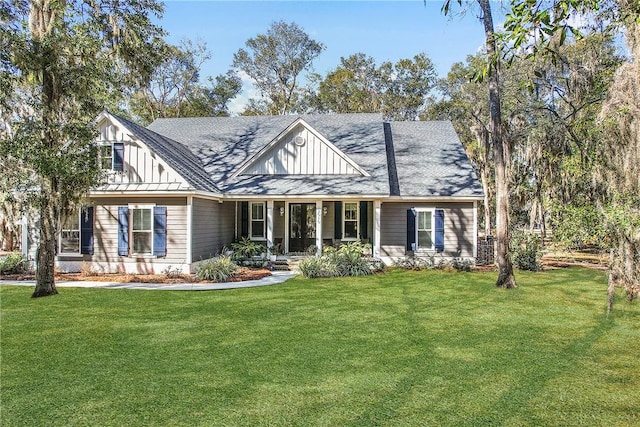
{"x":213,"y":227}
{"x":459,"y":235}
{"x":106,"y":233}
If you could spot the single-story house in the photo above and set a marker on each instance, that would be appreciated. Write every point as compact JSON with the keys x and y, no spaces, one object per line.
{"x":181,"y":190}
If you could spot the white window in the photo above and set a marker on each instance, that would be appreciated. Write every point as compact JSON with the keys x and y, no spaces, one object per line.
{"x":425,"y":224}
{"x":351,"y":212}
{"x":70,"y":235}
{"x":142,"y":231}
{"x":106,"y":156}
{"x":256,"y":222}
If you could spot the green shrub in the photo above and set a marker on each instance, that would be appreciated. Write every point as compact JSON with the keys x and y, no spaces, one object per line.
{"x":313,"y":267}
{"x":218,"y":269}
{"x":247,"y":248}
{"x":13,"y":263}
{"x":348,"y":260}
{"x":526,"y":250}
{"x":414,"y":263}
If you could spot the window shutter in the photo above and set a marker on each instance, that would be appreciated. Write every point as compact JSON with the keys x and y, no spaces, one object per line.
{"x":411,"y":229}
{"x":244,"y":219}
{"x":118,"y":156}
{"x":86,"y":231}
{"x":337,"y":216}
{"x":160,"y":231}
{"x":364,"y":220}
{"x":439,"y":240}
{"x":123,"y":231}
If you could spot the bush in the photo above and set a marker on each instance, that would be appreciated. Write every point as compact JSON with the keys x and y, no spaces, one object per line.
{"x":313,"y":267}
{"x":414,"y":263}
{"x":218,"y":269}
{"x":526,"y":250}
{"x":348,"y":260}
{"x":247,"y":248}
{"x":173,"y":272}
{"x":13,"y":264}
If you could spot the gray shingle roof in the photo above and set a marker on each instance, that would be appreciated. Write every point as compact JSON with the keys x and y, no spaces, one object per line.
{"x":179,"y":157}
{"x":429,"y":159}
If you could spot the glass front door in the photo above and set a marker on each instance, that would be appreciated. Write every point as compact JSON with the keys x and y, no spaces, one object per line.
{"x":302,"y":226}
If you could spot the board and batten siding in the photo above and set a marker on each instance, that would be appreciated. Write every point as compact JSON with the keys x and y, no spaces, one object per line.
{"x":105,"y":257}
{"x":140,"y":164}
{"x":459,"y":235}
{"x":213,"y":227}
{"x":312,"y":157}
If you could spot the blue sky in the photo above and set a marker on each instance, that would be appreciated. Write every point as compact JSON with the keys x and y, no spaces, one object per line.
{"x":385,"y":30}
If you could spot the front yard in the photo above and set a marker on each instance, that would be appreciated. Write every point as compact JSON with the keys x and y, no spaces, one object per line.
{"x":402,"y":348}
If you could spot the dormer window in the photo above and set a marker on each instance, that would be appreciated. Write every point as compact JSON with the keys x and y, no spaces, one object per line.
{"x":111,"y":156}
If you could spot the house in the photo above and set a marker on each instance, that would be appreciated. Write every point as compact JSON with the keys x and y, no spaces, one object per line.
{"x":182,"y":189}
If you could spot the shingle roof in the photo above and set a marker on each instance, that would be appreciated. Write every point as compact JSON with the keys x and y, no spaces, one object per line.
{"x":179,"y":157}
{"x":429,"y":158}
{"x":224,"y":143}
{"x":430,"y":161}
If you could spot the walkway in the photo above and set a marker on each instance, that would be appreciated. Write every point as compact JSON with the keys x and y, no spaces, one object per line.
{"x":275,"y":278}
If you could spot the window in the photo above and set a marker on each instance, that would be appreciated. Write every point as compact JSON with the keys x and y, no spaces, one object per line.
{"x":257,"y":221}
{"x":112,"y":156}
{"x":145,"y":227}
{"x":350,"y":220}
{"x":424,"y":229}
{"x":106,"y":157}
{"x":142,"y":231}
{"x":76,"y":233}
{"x":70,"y":235}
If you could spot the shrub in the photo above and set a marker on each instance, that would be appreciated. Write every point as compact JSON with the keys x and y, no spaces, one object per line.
{"x":13,"y":264}
{"x":414,"y":263}
{"x":247,"y":248}
{"x":526,"y":250}
{"x":173,"y":272}
{"x":218,"y":269}
{"x":313,"y":267}
{"x":348,"y":260}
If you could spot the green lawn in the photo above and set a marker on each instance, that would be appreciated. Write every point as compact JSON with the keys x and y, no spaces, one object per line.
{"x":399,"y":349}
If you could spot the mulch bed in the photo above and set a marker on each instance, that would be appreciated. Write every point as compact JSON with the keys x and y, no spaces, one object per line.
{"x":243,"y":275}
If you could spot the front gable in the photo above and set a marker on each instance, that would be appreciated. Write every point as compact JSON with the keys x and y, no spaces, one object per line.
{"x":300,"y":150}
{"x":135,"y":166}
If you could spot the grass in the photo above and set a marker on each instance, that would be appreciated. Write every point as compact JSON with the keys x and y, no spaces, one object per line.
{"x":399,"y":349}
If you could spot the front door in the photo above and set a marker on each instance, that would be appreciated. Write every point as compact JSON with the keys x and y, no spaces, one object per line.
{"x":302,"y":226}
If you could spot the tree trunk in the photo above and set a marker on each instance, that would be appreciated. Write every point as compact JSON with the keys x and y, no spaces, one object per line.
{"x":484,"y":178}
{"x":506,"y":279}
{"x":45,"y":258}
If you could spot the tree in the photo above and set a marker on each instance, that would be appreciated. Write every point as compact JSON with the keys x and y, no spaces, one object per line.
{"x":275,"y":61}
{"x":406,"y":85}
{"x":500,"y":147}
{"x":174,"y":89}
{"x":615,"y":175}
{"x":58,"y":72}
{"x":353,"y":87}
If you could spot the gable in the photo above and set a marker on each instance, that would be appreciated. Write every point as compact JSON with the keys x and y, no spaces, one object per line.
{"x":142,"y":168}
{"x":300,"y":150}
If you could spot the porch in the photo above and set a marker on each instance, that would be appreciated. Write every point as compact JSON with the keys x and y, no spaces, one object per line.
{"x":304,"y":227}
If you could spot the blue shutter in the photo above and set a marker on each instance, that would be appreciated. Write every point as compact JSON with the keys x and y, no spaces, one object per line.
{"x":123,"y":231}
{"x":411,"y":229}
{"x":86,"y":231}
{"x":118,"y":156}
{"x":439,"y":240}
{"x":364,"y":220}
{"x":244,"y":219}
{"x":337,"y":223}
{"x":160,"y":231}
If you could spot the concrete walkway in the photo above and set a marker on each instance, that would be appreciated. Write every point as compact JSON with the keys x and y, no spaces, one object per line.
{"x":276,"y":278}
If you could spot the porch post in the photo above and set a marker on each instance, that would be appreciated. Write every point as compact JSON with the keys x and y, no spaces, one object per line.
{"x":376,"y":228}
{"x":318,"y":227}
{"x":269,"y":224}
